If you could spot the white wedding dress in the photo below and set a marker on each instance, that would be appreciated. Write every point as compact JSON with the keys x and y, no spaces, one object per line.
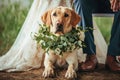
{"x":25,"y":54}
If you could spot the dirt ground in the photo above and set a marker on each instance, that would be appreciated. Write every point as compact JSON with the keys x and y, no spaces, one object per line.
{"x":99,"y":74}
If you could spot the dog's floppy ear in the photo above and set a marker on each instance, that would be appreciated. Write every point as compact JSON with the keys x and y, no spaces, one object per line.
{"x":75,"y":18}
{"x":46,"y":18}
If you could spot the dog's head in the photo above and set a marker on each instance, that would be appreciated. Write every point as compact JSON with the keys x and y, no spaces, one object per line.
{"x":60,"y":19}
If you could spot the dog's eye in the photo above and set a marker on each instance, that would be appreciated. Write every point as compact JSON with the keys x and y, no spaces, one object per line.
{"x":54,"y":14}
{"x":66,"y":15}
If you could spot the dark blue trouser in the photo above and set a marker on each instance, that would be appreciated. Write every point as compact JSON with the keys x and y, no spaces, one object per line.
{"x":85,"y":8}
{"x":114,"y":46}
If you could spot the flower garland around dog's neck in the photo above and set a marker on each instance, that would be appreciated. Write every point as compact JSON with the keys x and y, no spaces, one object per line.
{"x":59,"y":44}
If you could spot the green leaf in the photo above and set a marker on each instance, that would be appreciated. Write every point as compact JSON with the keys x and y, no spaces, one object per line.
{"x":64,"y":44}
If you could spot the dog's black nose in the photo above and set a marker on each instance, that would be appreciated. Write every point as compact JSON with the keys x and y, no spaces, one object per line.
{"x":59,"y":27}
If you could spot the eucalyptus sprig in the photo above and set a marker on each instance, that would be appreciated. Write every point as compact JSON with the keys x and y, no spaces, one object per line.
{"x":59,"y":44}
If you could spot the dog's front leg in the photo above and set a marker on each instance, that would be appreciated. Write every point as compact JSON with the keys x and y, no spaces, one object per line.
{"x":72,"y":65}
{"x":48,"y":63}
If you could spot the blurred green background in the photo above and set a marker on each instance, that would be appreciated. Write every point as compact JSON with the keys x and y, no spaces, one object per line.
{"x":104,"y":24}
{"x":13,"y":15}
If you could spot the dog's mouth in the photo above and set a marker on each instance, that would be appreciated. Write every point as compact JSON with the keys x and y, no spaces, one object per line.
{"x":58,"y":33}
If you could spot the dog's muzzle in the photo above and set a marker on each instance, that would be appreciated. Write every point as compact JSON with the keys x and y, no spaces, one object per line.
{"x":59,"y":28}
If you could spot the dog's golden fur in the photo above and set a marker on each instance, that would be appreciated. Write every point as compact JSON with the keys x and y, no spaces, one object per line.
{"x":61,"y":20}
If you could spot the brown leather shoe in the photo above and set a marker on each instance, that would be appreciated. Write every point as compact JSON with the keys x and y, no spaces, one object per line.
{"x":90,"y":64}
{"x":112,"y":64}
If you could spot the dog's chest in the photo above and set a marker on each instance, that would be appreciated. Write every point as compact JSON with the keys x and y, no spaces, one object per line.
{"x":61,"y":61}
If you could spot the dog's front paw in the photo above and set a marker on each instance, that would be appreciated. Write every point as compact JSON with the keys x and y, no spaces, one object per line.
{"x":48,"y":72}
{"x":70,"y":74}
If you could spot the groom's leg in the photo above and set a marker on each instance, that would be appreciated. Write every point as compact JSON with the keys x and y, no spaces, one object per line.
{"x":114,"y":46}
{"x":85,"y":8}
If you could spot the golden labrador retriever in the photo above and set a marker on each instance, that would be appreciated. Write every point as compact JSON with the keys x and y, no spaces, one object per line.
{"x":60,"y":20}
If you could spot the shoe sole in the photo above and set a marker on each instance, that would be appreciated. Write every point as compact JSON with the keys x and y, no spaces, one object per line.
{"x":109,"y":69}
{"x":90,"y":70}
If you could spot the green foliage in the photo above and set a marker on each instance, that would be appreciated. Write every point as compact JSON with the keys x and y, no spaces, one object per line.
{"x":59,"y":44}
{"x":11,"y":20}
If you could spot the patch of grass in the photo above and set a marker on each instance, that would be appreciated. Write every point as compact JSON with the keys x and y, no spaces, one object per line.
{"x":104,"y":24}
{"x":11,"y":20}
